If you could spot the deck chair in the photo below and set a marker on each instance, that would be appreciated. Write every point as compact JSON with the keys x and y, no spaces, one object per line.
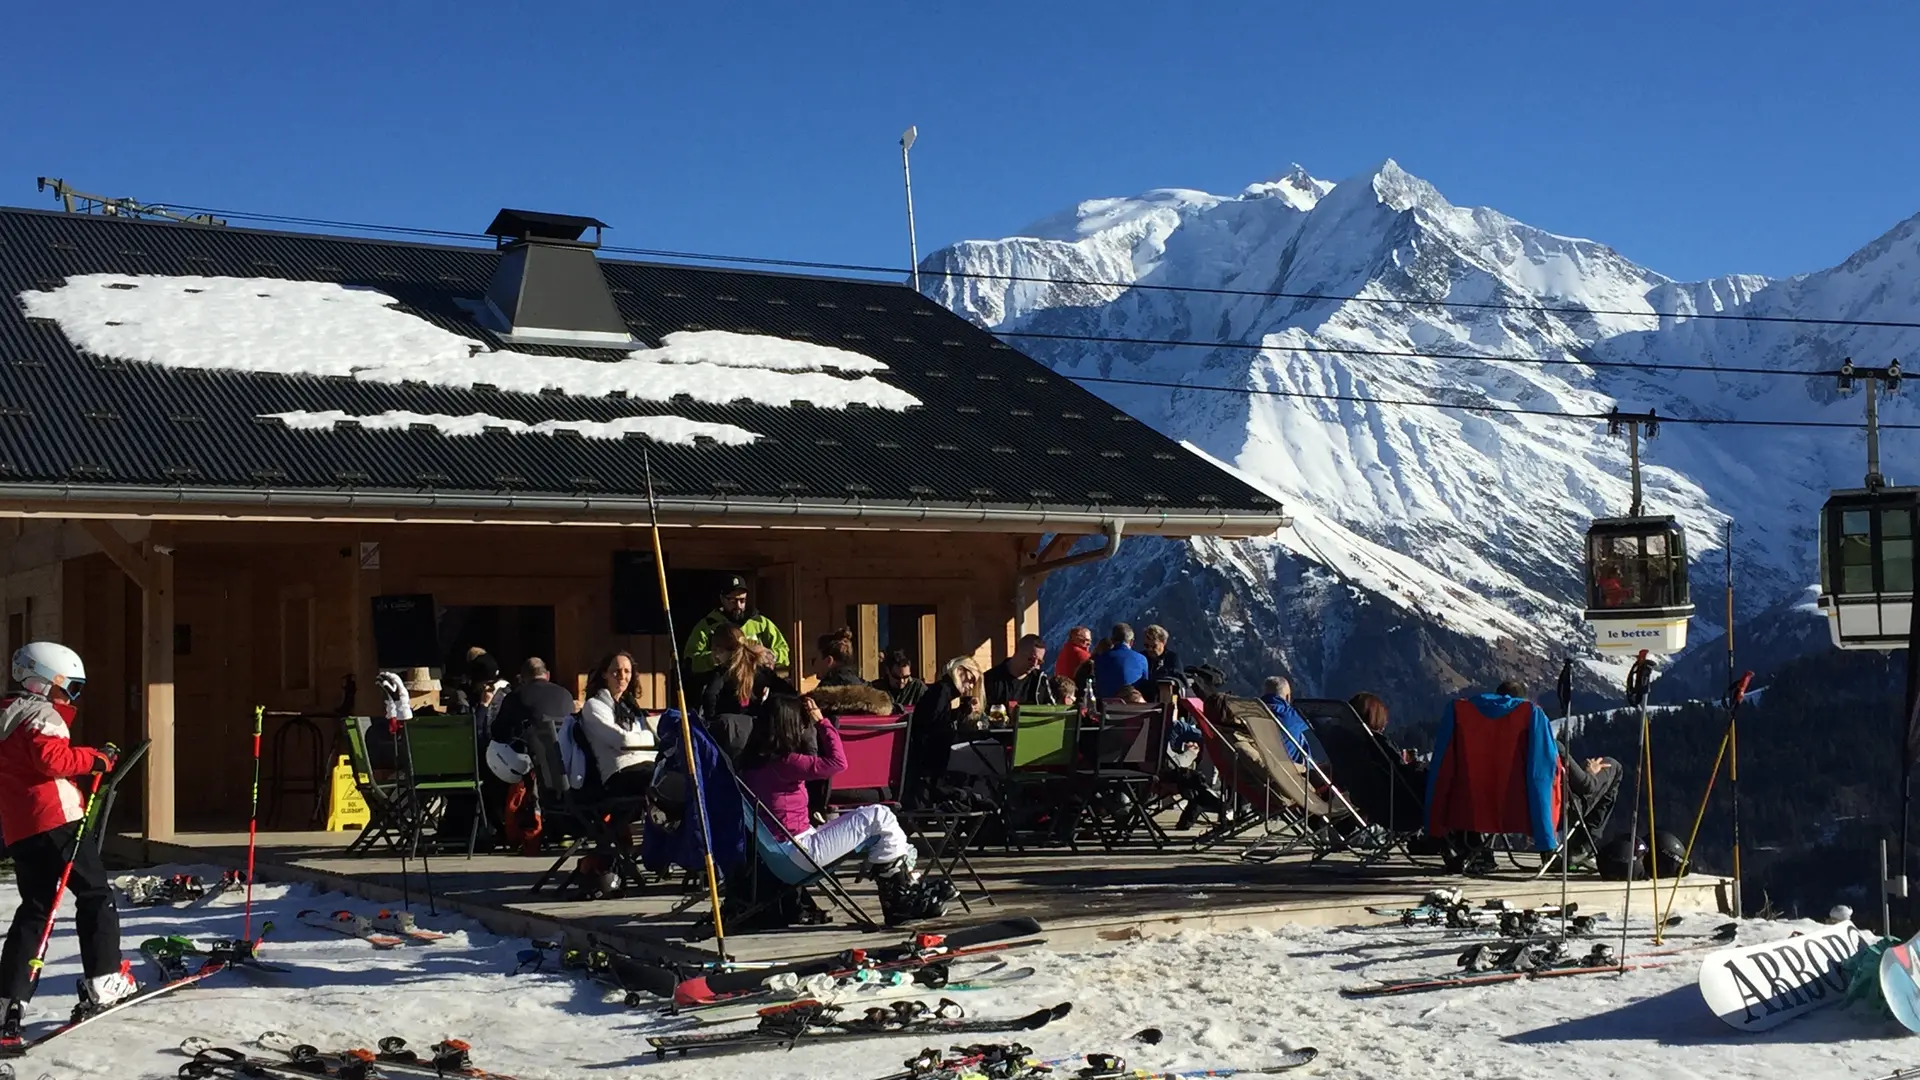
{"x":1269,"y":791}
{"x":1498,"y":776}
{"x":876,"y":747}
{"x":780,"y":853}
{"x":389,"y":809}
{"x":1370,"y":778}
{"x":1120,"y":757}
{"x":583,"y":819}
{"x":1041,"y":755}
{"x":443,"y":758}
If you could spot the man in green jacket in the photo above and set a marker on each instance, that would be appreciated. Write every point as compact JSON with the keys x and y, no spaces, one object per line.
{"x":733,"y":610}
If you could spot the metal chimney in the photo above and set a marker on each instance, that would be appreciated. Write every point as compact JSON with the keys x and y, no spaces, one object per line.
{"x":548,"y":288}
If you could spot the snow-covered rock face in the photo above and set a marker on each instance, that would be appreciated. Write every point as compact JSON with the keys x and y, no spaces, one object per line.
{"x":1459,"y":529}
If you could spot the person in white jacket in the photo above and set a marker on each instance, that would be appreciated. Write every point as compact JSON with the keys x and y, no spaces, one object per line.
{"x":620,"y":734}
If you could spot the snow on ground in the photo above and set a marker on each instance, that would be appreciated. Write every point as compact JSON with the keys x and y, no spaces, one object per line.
{"x":1223,"y":999}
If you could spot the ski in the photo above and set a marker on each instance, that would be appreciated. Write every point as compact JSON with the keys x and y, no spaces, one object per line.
{"x":169,"y":954}
{"x":83,"y":1016}
{"x":148,"y":890}
{"x":715,"y":985}
{"x":208,"y":1060}
{"x":401,"y":922}
{"x":812,"y":1025}
{"x":699,"y":991}
{"x":1448,"y":982}
{"x":352,"y":925}
{"x":854,"y":994}
{"x":984,"y":1061}
{"x":1111,"y":1067}
{"x":392,"y":1058}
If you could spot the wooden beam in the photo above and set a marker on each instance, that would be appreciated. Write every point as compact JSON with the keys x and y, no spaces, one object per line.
{"x":156,"y":619}
{"x":868,"y":636}
{"x":123,"y":554}
{"x":1059,"y":545}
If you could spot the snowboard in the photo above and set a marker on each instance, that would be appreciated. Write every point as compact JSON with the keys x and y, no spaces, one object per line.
{"x":1756,"y":987}
{"x":1900,"y":985}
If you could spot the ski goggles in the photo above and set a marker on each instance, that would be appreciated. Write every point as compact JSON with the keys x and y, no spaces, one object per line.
{"x":71,"y":687}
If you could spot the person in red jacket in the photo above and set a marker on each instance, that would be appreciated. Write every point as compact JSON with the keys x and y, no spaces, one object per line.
{"x":42,"y":810}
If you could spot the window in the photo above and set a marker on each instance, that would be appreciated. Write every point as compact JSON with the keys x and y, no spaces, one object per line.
{"x":1896,"y":549}
{"x":1856,"y":551}
{"x":296,"y":641}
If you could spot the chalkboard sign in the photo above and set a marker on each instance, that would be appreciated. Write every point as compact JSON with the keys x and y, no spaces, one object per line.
{"x":404,"y":634}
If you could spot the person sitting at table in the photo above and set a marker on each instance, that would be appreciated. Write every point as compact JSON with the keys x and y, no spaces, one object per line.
{"x":777,"y":767}
{"x":1021,"y":679}
{"x":949,"y":711}
{"x":897,"y":682}
{"x":620,"y":736}
{"x":1064,"y":691}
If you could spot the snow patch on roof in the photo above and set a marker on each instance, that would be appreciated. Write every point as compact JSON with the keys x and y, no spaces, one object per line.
{"x":664,"y":429}
{"x":323,"y":328}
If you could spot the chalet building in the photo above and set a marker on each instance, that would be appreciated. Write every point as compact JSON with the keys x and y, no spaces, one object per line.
{"x":246,"y":468}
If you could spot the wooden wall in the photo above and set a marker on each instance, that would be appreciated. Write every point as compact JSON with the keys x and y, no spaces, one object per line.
{"x":277,"y":614}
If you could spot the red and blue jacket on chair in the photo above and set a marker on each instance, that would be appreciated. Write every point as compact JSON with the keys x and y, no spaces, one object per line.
{"x":1496,"y":769}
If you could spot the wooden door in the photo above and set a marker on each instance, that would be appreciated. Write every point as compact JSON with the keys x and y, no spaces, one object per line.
{"x":213,"y":686}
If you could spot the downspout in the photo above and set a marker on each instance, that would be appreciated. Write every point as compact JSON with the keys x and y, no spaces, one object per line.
{"x":1112,"y":530}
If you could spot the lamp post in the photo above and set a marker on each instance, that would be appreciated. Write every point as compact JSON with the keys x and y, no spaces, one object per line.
{"x":906,"y":170}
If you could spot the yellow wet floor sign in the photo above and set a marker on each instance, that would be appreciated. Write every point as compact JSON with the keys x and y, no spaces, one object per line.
{"x":345,"y":808}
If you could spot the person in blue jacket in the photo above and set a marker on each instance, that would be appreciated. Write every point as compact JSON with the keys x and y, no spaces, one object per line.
{"x":1120,"y":666}
{"x":1452,"y":802}
{"x":1277,"y":694}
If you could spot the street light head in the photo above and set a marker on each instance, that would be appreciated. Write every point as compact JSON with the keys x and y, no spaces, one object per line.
{"x":906,"y":138}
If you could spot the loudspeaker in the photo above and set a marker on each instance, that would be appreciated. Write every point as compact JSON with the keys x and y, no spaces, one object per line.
{"x":404,"y":631}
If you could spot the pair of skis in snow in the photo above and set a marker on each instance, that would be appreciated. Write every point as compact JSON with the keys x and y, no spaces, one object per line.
{"x":178,"y":890}
{"x":392,"y":1058}
{"x":919,"y":951}
{"x":387,"y":930}
{"x":789,"y":1027}
{"x":1011,"y":1061}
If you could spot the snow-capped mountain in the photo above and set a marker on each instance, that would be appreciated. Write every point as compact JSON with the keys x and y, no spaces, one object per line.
{"x":1433,"y":547}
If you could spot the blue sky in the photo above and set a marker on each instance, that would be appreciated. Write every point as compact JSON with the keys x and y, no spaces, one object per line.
{"x":1697,"y":138}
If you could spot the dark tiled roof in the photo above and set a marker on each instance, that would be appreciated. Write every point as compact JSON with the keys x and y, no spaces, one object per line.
{"x":999,"y":429}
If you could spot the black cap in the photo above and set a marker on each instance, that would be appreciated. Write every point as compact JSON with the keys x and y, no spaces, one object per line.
{"x":735,"y":584}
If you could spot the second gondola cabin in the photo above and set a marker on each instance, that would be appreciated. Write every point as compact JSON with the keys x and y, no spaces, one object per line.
{"x":1637,"y":595}
{"x":1866,"y":566}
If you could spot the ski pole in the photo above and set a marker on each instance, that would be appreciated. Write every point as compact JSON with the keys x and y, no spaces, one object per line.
{"x":1735,"y":694}
{"x":1639,"y":677}
{"x":686,"y":721}
{"x":60,"y":888}
{"x":253,"y":818}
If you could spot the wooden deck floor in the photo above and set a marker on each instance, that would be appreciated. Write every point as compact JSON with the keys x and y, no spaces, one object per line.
{"x":1080,"y":898}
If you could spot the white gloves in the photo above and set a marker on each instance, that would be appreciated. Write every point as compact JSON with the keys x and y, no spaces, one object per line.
{"x":393,"y":693}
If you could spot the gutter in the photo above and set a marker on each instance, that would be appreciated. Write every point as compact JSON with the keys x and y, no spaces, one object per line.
{"x":133,"y":501}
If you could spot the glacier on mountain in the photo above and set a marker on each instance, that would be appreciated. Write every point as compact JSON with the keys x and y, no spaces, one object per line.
{"x":1434,"y":547}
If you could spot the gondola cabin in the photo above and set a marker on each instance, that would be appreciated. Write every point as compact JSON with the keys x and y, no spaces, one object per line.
{"x":1866,"y":566}
{"x":1637,"y":585}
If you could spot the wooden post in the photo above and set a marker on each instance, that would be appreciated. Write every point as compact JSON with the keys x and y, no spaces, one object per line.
{"x":929,"y":666}
{"x":156,"y":618}
{"x":868,"y":636}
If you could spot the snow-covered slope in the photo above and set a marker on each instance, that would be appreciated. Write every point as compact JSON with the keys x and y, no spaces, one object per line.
{"x":1464,"y":526}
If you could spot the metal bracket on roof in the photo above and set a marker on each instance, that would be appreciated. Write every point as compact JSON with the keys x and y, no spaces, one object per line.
{"x":80,"y":202}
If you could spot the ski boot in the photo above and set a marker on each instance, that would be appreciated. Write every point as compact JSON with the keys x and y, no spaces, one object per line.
{"x":102,"y":992}
{"x":10,"y":1024}
{"x":907,"y":897}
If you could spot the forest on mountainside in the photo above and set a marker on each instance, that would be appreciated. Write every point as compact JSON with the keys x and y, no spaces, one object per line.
{"x":1819,"y":781}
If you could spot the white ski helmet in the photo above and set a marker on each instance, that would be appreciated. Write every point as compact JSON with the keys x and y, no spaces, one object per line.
{"x":508,"y":761}
{"x":40,"y":666}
